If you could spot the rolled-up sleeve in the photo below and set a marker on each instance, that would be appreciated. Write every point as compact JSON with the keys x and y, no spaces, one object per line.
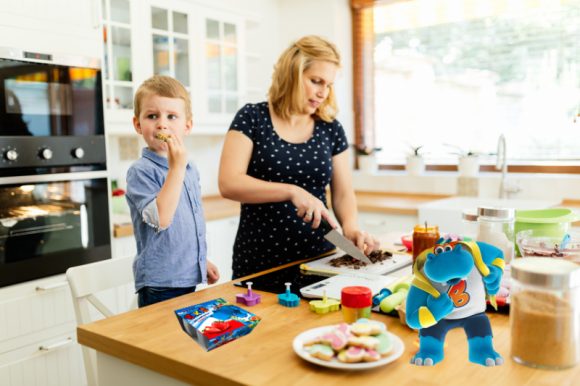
{"x":142,"y":190}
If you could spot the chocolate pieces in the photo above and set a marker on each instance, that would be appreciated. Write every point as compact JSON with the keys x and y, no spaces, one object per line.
{"x":352,"y":263}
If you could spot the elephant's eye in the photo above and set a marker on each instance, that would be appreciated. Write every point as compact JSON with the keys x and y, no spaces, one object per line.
{"x":439,"y":250}
{"x":448,"y":248}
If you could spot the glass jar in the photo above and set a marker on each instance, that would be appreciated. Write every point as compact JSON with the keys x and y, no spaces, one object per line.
{"x":424,"y":237}
{"x":469,"y":219}
{"x":356,"y":303}
{"x":545,"y":312}
{"x":496,"y":226}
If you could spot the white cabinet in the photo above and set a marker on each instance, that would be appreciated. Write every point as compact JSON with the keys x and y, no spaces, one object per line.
{"x":378,"y":223}
{"x":124,"y":246}
{"x":221,"y":235}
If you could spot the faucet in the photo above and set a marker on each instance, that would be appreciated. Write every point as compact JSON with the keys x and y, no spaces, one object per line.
{"x":502,"y":165}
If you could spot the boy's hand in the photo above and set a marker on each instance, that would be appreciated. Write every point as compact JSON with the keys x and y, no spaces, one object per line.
{"x":177,"y":154}
{"x":212,"y":273}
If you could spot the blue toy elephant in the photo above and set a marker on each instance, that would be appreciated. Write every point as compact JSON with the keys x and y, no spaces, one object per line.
{"x":451,"y":283}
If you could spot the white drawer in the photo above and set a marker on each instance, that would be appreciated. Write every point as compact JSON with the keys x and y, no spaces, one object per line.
{"x":58,"y":363}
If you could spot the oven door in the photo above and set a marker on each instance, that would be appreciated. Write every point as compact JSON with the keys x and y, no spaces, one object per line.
{"x":50,"y":223}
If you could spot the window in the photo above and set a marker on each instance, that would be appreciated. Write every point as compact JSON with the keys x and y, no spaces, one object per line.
{"x":460,"y":73}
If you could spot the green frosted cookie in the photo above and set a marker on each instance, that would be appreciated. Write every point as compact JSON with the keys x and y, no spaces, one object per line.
{"x":385,"y":345}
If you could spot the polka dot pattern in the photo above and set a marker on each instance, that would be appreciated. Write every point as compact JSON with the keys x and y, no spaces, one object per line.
{"x":271,"y":234}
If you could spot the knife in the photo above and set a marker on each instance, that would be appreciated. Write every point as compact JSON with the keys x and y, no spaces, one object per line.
{"x":342,"y":242}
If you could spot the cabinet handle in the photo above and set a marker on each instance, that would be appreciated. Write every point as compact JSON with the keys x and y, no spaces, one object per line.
{"x":52,"y":286}
{"x":56,"y":345}
{"x":95,"y":15}
{"x":375,"y":222}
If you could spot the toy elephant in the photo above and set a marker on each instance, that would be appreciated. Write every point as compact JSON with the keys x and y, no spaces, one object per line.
{"x":451,"y":284}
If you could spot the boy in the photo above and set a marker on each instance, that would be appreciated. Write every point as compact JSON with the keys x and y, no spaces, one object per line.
{"x":163,"y":194}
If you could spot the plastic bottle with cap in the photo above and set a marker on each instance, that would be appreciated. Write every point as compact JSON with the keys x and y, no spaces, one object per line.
{"x":356,"y":303}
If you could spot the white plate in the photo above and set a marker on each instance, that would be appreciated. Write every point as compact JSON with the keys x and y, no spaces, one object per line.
{"x":298,"y":346}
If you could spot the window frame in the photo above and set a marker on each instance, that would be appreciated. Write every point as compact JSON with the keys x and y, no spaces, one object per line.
{"x":364,"y":104}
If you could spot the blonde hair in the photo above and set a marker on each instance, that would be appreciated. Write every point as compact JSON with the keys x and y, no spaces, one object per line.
{"x":286,"y":94}
{"x":164,"y":86}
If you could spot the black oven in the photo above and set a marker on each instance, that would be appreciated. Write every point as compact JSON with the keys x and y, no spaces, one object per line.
{"x":53,"y":173}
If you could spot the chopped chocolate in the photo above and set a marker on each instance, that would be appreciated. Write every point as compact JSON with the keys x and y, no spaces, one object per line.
{"x":352,"y":263}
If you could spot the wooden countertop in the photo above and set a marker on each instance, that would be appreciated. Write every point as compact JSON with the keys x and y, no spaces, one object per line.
{"x":217,"y":207}
{"x":152,"y":338}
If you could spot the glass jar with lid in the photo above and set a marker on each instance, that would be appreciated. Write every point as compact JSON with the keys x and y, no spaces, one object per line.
{"x":545,"y":312}
{"x":496,"y":226}
{"x":469,"y":219}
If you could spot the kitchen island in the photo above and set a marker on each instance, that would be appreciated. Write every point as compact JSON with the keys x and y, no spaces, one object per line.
{"x":148,"y":347}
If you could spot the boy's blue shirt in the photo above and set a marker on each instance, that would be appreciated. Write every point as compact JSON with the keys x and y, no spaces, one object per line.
{"x":175,"y":256}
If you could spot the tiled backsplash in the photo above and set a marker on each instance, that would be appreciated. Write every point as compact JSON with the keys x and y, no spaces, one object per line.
{"x":532,"y":186}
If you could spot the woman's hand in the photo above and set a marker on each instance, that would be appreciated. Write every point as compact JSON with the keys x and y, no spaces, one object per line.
{"x":310,"y":208}
{"x":363,"y":240}
{"x":212,"y":273}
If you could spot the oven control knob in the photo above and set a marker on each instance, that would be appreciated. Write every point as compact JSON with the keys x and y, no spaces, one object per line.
{"x":78,"y":153}
{"x":46,"y":153}
{"x":11,"y":155}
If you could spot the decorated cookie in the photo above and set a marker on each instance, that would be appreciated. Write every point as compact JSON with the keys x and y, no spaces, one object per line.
{"x":376,"y":327}
{"x":336,"y":339}
{"x":361,"y":329}
{"x":367,"y":342}
{"x":385,"y":346}
{"x":345,"y":329}
{"x":312,"y":341}
{"x":371,"y":356}
{"x":354,"y":354}
{"x":321,"y":351}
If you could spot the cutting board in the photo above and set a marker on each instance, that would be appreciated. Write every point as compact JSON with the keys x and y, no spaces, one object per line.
{"x":395,"y":263}
{"x":334,"y":285}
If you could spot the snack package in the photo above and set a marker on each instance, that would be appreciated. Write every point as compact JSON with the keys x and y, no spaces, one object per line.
{"x":215,"y":323}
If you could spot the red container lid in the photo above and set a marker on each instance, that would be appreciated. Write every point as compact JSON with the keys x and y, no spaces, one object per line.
{"x":356,"y":297}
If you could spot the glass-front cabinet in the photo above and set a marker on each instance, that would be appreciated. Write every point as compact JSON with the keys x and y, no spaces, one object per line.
{"x":118,"y":53}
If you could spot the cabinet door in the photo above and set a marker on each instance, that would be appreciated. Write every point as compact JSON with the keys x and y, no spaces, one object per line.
{"x":221,"y":47}
{"x":221,"y":235}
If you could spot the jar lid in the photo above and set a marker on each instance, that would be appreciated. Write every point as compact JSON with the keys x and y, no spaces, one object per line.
{"x":546,"y":272}
{"x":488,"y":211}
{"x":356,"y":297}
{"x":470,"y":214}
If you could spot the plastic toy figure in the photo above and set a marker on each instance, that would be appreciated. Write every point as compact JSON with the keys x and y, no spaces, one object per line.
{"x":451,"y":284}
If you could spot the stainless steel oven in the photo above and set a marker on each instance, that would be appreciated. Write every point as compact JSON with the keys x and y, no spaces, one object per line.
{"x":53,"y":173}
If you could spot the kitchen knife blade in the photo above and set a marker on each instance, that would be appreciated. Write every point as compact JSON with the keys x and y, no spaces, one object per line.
{"x":342,"y":242}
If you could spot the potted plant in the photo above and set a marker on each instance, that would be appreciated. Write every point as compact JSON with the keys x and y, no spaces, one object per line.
{"x":366,"y":156}
{"x":468,"y":165}
{"x":415,"y":164}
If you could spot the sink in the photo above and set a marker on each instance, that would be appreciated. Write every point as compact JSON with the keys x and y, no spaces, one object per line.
{"x":446,"y":213}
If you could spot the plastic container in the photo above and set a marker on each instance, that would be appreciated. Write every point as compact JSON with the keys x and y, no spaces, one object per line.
{"x":555,"y":222}
{"x":469,"y":219}
{"x":545,"y":313}
{"x":541,"y":243}
{"x":496,"y":226}
{"x":424,"y":237}
{"x":356,"y":303}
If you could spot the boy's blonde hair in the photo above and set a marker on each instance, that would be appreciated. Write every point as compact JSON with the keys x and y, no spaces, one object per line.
{"x":287,"y":91}
{"x":164,"y":86}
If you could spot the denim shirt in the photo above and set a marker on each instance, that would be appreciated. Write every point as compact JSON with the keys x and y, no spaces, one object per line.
{"x":174,"y":256}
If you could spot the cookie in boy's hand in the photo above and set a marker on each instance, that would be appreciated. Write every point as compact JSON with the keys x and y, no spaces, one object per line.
{"x":162,"y":136}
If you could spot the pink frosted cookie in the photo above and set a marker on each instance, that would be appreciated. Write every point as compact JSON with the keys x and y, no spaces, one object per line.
{"x":371,"y":356}
{"x":352,"y":355}
{"x":367,"y":342}
{"x":345,"y":329}
{"x":336,"y":339}
{"x":321,"y":351}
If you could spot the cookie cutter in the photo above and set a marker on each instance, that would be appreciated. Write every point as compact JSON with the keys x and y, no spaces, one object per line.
{"x":288,"y":299}
{"x":250,"y":299}
{"x":325,"y":305}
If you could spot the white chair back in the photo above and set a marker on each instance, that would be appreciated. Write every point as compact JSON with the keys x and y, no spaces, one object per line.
{"x":85,"y":281}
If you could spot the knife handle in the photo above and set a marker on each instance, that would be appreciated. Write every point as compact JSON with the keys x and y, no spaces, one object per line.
{"x":325,"y":225}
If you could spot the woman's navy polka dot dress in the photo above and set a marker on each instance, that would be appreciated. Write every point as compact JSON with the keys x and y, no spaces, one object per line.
{"x":271,"y":234}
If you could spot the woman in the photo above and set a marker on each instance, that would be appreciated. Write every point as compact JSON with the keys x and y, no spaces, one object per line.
{"x":278,"y":158}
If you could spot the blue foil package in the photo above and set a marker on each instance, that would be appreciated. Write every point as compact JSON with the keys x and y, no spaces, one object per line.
{"x":216,"y":322}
